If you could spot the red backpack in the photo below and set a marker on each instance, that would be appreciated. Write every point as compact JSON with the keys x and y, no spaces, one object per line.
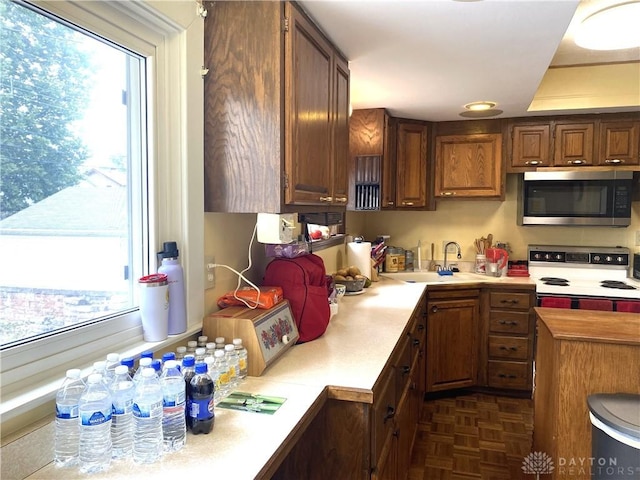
{"x":304,"y":284}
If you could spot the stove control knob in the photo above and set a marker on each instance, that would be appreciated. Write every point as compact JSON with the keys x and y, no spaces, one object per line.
{"x":597,"y":259}
{"x":620,"y":259}
{"x":537,"y":256}
{"x":558,"y":256}
{"x":608,"y":259}
{"x":547,"y":256}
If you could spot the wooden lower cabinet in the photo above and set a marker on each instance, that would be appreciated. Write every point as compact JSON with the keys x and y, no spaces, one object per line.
{"x":355,"y":439}
{"x":506,"y":353}
{"x":452,"y":339}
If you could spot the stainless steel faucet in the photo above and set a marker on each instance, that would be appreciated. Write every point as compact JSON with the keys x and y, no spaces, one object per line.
{"x":446,"y":247}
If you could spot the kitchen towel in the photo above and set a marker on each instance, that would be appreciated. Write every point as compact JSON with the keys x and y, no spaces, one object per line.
{"x":595,"y":304}
{"x":628,"y":306}
{"x":359,"y":255}
{"x":555,"y":302}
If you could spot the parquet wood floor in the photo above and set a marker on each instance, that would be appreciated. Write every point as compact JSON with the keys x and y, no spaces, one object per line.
{"x":475,"y":436}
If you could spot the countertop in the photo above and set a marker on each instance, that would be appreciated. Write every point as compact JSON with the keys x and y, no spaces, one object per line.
{"x":591,"y":325}
{"x":344,"y":364}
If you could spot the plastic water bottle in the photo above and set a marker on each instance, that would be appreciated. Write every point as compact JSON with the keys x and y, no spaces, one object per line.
{"x":188,"y":372}
{"x":129,"y":362}
{"x":243,"y":366}
{"x":173,"y":270}
{"x":145,"y":362}
{"x":168,"y":356}
{"x":174,"y":430}
{"x":220,"y":376}
{"x":220,"y":343}
{"x":157,"y":366}
{"x":201,"y":394}
{"x":147,"y":418}
{"x":113,"y":360}
{"x":122,"y":389}
{"x":202,"y":341}
{"x":232,"y":361}
{"x":191,"y":347}
{"x":147,"y":354}
{"x":209,"y":349}
{"x":67,"y":428}
{"x":200,"y":354}
{"x":94,"y":409}
{"x":180,"y":353}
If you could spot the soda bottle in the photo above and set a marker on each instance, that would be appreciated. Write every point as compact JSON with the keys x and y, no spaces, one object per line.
{"x":200,"y":401}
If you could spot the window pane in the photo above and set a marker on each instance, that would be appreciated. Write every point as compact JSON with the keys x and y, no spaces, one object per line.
{"x":71,"y":159}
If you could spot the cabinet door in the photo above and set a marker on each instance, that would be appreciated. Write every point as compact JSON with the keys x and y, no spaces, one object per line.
{"x":389,"y":163}
{"x":574,"y":144}
{"x":468,"y":166}
{"x":530,"y":146}
{"x":308,"y":107}
{"x":411,"y":188}
{"x":452,"y":351}
{"x":340,"y":132}
{"x":619,"y":143}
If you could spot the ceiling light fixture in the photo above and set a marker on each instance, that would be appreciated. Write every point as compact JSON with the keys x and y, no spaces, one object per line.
{"x":613,"y":28}
{"x":480,"y":106}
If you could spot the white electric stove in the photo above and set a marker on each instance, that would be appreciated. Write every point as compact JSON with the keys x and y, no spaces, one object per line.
{"x":583,"y":272}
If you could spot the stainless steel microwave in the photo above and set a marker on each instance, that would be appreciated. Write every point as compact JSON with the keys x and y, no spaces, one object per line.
{"x":583,"y":198}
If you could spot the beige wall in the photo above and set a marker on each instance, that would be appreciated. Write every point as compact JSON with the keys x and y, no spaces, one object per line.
{"x":227,"y":236}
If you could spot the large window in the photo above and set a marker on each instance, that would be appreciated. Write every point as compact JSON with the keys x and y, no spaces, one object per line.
{"x":72,"y":203}
{"x":101,"y":105}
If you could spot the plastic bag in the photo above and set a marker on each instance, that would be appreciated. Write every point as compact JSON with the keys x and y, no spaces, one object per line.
{"x":269,"y":296}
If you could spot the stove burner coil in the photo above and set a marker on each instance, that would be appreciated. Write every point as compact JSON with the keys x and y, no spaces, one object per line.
{"x":617,"y":284}
{"x":558,"y":282}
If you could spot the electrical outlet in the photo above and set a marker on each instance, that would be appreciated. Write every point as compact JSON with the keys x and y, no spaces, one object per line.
{"x":209,"y":273}
{"x":637,"y":238}
{"x":452,"y":247}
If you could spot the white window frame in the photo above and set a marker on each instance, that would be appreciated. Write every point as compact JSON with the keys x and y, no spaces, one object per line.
{"x":170,"y":35}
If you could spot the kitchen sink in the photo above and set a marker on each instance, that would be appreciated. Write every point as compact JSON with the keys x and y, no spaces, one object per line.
{"x":433,"y":277}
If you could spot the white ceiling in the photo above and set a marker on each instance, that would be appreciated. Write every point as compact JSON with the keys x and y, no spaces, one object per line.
{"x":426,"y":59}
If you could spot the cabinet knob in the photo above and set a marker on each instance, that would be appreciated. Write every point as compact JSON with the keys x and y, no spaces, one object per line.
{"x":576,"y":162}
{"x":326,"y":199}
{"x":391,"y":411}
{"x":614,"y":161}
{"x":533,"y":162}
{"x":391,"y":204}
{"x":416,"y":342}
{"x":448,"y":194}
{"x":407,"y":204}
{"x":406,"y":369}
{"x":420,"y":327}
{"x":434,"y":309}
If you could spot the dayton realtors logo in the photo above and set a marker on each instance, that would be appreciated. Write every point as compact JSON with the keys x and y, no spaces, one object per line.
{"x":537,"y":463}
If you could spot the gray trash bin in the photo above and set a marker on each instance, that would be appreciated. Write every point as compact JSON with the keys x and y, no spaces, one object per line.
{"x":615,"y":435}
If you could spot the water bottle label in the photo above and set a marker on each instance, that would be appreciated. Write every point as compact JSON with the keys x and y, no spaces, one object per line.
{"x":67,"y":411}
{"x":122,"y":408}
{"x":201,"y":409}
{"x":95,"y":418}
{"x":152,"y":410}
{"x":173,"y":399}
{"x":224,"y":378}
{"x":243,"y":364}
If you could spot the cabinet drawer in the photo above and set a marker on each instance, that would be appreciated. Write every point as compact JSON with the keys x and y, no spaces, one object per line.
{"x":515,"y":301}
{"x":383,"y":412}
{"x":508,"y":374}
{"x":509,"y":322}
{"x":516,"y":348}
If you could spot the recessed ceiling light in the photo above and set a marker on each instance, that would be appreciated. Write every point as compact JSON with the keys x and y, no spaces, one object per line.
{"x":479,"y":106}
{"x":613,"y":28}
{"x":492,"y":112}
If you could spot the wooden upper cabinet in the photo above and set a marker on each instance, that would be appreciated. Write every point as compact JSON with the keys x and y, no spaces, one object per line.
{"x":530,"y":147}
{"x":574,"y":144}
{"x":619,"y":143}
{"x":469,"y":166}
{"x":276,"y":111}
{"x":340,"y":176}
{"x":309,"y":112}
{"x":411,"y":165}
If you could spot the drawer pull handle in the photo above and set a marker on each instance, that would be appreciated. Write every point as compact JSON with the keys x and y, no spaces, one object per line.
{"x":390,"y":413}
{"x":407,"y":204}
{"x":614,"y":161}
{"x":511,"y":322}
{"x":416,"y":342}
{"x":514,"y":349}
{"x":510,"y":301}
{"x":576,"y":162}
{"x":326,"y":199}
{"x":420,"y":327}
{"x":533,"y":162}
{"x":502,"y":375}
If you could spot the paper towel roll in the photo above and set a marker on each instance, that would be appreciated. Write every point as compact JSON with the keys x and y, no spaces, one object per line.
{"x":359,"y":255}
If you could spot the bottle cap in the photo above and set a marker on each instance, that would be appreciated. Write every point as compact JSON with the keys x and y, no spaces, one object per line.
{"x":128,"y":361}
{"x":218,"y":353}
{"x":113,"y":357}
{"x":169,"y":250}
{"x":145,"y":361}
{"x":170,"y":364}
{"x":148,"y":372}
{"x":146,"y":353}
{"x":229,"y":348}
{"x":121,"y":369}
{"x":192,"y":343}
{"x":200,"y":351}
{"x":189,"y":361}
{"x":219,"y":339}
{"x":168,"y":356}
{"x":201,"y":367}
{"x":181,"y":349}
{"x":73,"y":373}
{"x":237,"y":341}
